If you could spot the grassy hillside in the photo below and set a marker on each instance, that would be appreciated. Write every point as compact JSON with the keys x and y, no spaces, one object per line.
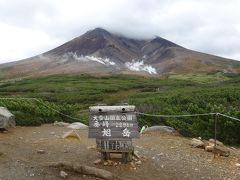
{"x":176,"y":94}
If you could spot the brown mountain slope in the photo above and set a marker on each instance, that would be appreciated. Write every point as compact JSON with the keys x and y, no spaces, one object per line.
{"x":100,"y":52}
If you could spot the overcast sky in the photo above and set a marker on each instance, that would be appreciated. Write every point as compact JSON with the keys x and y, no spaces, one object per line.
{"x":31,"y":27}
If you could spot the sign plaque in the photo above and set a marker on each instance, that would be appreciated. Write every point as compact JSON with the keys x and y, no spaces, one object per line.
{"x":114,"y":127}
{"x":107,"y":122}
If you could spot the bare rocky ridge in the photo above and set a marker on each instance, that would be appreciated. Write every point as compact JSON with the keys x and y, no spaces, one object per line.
{"x":100,"y":52}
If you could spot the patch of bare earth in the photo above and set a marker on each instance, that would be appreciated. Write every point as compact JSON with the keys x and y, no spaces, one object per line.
{"x":26,"y":151}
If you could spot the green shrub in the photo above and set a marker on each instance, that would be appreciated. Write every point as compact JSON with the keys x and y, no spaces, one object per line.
{"x":181,"y":94}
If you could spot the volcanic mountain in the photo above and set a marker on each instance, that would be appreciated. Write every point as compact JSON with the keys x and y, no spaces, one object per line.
{"x":101,"y":52}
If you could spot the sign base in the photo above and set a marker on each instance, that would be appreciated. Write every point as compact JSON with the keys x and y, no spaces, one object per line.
{"x":120,"y":146}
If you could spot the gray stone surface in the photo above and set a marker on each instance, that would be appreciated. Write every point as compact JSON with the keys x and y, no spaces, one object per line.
{"x":7,"y":119}
{"x":164,"y":129}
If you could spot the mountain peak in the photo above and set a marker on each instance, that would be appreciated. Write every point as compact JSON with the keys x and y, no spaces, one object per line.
{"x":101,"y":52}
{"x":98,"y":31}
{"x":163,"y":42}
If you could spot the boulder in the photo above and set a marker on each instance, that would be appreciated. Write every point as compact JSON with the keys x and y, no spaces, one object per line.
{"x":40,"y":151}
{"x":92,"y":147}
{"x":209,"y":148}
{"x":115,"y":164}
{"x":86,"y":170}
{"x":77,"y":125}
{"x":63,"y":174}
{"x":71,"y":134}
{"x":108,"y":163}
{"x":7,"y":119}
{"x":217,"y":142}
{"x":97,"y":172}
{"x":132,"y":164}
{"x":56,"y":123}
{"x":98,"y":161}
{"x":197,"y":143}
{"x":237,"y":164}
{"x":138,"y":163}
{"x":161,"y":129}
{"x":220,"y":150}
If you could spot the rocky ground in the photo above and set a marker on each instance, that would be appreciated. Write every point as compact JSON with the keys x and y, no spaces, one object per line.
{"x":26,"y":152}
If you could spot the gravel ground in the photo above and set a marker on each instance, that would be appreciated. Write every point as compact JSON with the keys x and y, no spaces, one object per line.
{"x":25,"y":153}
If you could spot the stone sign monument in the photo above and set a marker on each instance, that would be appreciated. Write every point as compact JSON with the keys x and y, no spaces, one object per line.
{"x":114,"y":127}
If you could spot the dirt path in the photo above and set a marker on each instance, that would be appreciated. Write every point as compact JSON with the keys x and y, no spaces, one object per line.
{"x":167,"y":157}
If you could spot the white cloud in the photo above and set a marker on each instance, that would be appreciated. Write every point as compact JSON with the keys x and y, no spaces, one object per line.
{"x":29,"y":27}
{"x":17,"y":43}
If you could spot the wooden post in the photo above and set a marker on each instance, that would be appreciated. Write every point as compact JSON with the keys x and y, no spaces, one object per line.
{"x":215,"y":134}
